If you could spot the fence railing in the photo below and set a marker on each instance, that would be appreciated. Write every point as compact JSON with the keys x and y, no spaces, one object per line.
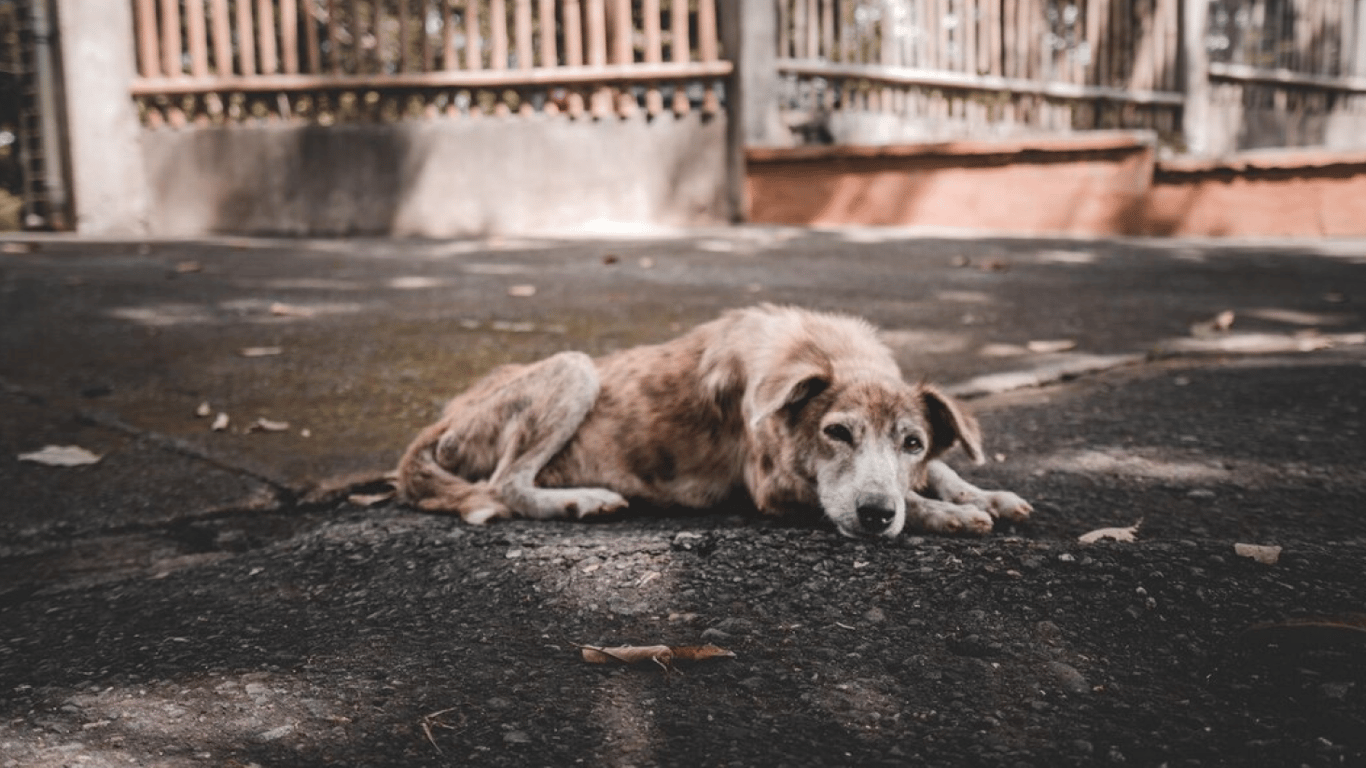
{"x":1271,"y":72}
{"x":942,"y":68}
{"x":329,"y":60}
{"x":1289,"y":72}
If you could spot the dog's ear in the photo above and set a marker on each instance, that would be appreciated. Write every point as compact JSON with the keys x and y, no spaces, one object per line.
{"x":787,"y":390}
{"x":950,"y":424}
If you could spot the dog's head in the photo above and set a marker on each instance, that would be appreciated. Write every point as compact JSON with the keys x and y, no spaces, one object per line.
{"x":854,"y":442}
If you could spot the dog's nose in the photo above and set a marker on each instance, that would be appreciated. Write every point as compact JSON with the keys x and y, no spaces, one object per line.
{"x":876,"y":515}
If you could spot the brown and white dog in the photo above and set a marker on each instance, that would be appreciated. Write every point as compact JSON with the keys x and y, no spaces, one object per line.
{"x":802,"y":411}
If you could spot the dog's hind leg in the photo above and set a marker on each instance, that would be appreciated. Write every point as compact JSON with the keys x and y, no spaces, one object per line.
{"x":545,"y":405}
{"x":947,"y":485}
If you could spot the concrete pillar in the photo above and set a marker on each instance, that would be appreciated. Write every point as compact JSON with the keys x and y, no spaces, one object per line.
{"x":732,"y":44}
{"x":108,"y":177}
{"x":1195,"y":122}
{"x":758,"y":73}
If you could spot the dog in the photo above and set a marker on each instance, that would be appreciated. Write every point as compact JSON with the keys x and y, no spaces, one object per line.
{"x":803,"y":412}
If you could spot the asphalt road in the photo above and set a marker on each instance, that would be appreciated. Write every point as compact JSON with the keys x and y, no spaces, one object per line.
{"x":230,"y":597}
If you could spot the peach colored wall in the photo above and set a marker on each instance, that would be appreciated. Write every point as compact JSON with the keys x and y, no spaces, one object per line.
{"x":1095,"y":184}
{"x":1281,"y":194}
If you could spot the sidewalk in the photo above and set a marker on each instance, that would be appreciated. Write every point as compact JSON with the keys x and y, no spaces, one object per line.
{"x":221,"y":576}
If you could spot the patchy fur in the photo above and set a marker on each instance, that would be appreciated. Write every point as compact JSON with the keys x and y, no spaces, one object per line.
{"x":799,"y":410}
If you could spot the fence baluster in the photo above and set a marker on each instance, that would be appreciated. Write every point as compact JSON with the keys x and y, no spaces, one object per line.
{"x":549,"y":58}
{"x":498,"y":35}
{"x":708,"y":50}
{"x":597,"y":54}
{"x":813,"y":29}
{"x":654,"y":54}
{"x":265,"y":26}
{"x":473,"y":53}
{"x":827,"y":29}
{"x":573,"y":50}
{"x":679,"y":49}
{"x":289,"y":35}
{"x":310,"y":20}
{"x":334,"y":42}
{"x":149,"y":53}
{"x":170,"y":38}
{"x":522,"y":33}
{"x":428,"y":52}
{"x":448,"y":60}
{"x":197,"y":32}
{"x":403,"y":25}
{"x":246,"y":39}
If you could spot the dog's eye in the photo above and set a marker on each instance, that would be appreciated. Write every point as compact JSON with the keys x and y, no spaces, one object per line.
{"x":912,"y":444}
{"x":839,"y":433}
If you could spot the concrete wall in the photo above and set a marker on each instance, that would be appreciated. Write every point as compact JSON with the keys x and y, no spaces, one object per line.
{"x":438,"y":178}
{"x":1098,"y":184}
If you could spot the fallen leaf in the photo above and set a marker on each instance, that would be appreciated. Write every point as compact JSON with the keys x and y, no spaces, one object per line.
{"x":663,"y":655}
{"x":61,"y":456}
{"x":522,"y":291}
{"x":220,"y":422}
{"x":260,"y":351}
{"x":262,"y":424}
{"x":369,"y":499}
{"x":1264,"y":554}
{"x":289,"y":310}
{"x":1220,"y":323}
{"x":186,"y":267}
{"x":1049,"y":346}
{"x":1118,"y":534}
{"x":701,"y":652}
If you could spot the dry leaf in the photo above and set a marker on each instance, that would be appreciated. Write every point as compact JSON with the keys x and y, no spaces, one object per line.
{"x":522,"y":291}
{"x":663,"y":655}
{"x":61,"y":456}
{"x":1220,"y":323}
{"x":262,"y":424}
{"x":1118,"y":534}
{"x":1266,"y":555}
{"x":289,"y":310}
{"x":1049,"y":346}
{"x":220,"y":422}
{"x":260,"y":351}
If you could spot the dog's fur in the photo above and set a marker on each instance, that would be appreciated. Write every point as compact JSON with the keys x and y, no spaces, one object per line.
{"x":800,"y":410}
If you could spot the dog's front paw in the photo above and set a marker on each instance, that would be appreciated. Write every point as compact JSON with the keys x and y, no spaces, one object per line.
{"x":594,"y":501}
{"x":1007,"y":506}
{"x":944,"y":517}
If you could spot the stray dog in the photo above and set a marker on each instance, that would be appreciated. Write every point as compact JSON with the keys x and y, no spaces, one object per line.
{"x":800,"y":410}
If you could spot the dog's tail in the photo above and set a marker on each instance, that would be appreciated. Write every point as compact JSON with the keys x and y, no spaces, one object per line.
{"x":425,"y":484}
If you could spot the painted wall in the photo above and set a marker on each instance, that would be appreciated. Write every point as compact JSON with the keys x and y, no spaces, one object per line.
{"x":438,"y":178}
{"x":1092,"y":184}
